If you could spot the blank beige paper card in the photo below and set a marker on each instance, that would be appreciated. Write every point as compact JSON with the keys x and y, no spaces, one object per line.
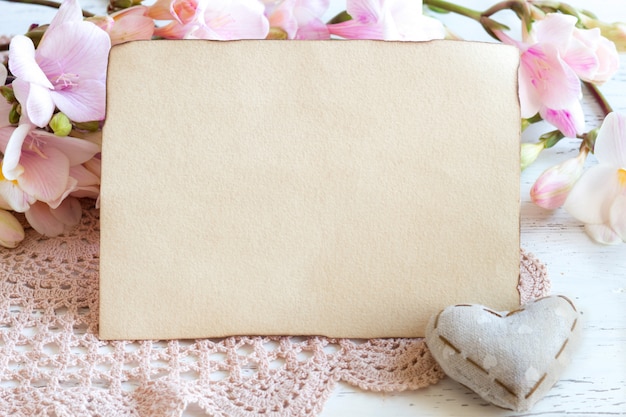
{"x":340,"y":188}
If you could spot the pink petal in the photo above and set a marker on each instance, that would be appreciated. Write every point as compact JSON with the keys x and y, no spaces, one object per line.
{"x":44,"y":178}
{"x":41,"y":219}
{"x":187,"y":11}
{"x":11,"y":230}
{"x":82,"y":104}
{"x":610,"y":147}
{"x":86,"y":192}
{"x":592,"y":196}
{"x":132,"y":11}
{"x":76,"y":150}
{"x":570,"y":121}
{"x":94,"y":165}
{"x":555,"y":29}
{"x":609,"y":61}
{"x":160,"y":10}
{"x":11,"y":168}
{"x":243,"y":19}
{"x":22,"y":62}
{"x":553,"y":186}
{"x":37,"y":104}
{"x":353,"y":29}
{"x":68,"y":12}
{"x":530,"y":101}
{"x":80,"y":49}
{"x":12,"y":197}
{"x":582,"y":59}
{"x":365,"y":11}
{"x":310,"y":26}
{"x":174,"y":30}
{"x":5,"y":135}
{"x":68,"y":212}
{"x":3,"y":74}
{"x":602,"y":233}
{"x":618,"y":215}
{"x":132,"y":28}
{"x":313,"y":29}
{"x":69,"y":188}
{"x":83,"y":176}
{"x":556,"y":84}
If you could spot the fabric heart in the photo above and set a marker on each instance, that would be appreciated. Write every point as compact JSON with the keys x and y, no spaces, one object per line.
{"x":510,"y":359}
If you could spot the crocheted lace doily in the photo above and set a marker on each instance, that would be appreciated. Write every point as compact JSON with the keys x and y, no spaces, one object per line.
{"x":52,"y":362}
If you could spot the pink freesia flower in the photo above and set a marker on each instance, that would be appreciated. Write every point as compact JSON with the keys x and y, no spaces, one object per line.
{"x":554,"y":57}
{"x":599,"y":197}
{"x":400,"y":20}
{"x":67,"y":70}
{"x":590,"y":55}
{"x":211,"y":19}
{"x":299,"y":19}
{"x":39,"y":163}
{"x":553,"y":186}
{"x":126,"y":25}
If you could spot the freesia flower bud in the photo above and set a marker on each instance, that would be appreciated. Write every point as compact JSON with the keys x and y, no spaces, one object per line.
{"x":103,"y":22}
{"x":553,"y":186}
{"x":529,"y":153}
{"x":11,"y":231}
{"x":8,"y":94}
{"x":14,"y":114}
{"x":121,"y":4}
{"x":60,"y":124}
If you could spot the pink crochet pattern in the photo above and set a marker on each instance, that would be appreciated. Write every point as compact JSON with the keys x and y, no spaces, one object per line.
{"x":52,"y":362}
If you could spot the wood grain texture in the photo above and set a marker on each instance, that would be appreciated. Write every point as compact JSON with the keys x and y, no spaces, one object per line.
{"x":593,"y":276}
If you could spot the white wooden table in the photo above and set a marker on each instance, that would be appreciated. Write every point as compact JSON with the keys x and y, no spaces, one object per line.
{"x":593,"y":276}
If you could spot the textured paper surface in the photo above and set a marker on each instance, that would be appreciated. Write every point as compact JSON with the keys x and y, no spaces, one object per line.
{"x":341,"y":188}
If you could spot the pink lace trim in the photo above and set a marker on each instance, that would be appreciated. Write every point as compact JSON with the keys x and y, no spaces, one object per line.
{"x":52,"y":363}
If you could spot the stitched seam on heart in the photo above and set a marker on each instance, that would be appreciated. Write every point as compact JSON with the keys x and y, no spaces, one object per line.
{"x":569,"y":301}
{"x":437,"y":320}
{"x":505,"y":387}
{"x":473,"y":362}
{"x":492,"y":312}
{"x":532,"y":391}
{"x":514,"y":312}
{"x":447,"y":342}
{"x":562,"y":349}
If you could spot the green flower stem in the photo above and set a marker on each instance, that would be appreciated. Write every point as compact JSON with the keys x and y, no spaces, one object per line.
{"x":48,"y":3}
{"x":504,"y":5}
{"x":454,"y":8}
{"x":599,"y":98}
{"x":489,"y":24}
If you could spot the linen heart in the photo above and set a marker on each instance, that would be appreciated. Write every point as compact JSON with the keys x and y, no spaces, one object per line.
{"x":510,"y":359}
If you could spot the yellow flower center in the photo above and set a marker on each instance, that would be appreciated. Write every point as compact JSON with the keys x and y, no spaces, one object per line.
{"x":621,"y":177}
{"x":3,"y":178}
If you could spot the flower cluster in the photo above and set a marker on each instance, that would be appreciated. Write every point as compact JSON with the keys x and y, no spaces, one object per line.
{"x":53,"y":102}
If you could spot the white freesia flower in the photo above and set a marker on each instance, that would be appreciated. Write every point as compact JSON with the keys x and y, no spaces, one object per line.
{"x":599,"y":198}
